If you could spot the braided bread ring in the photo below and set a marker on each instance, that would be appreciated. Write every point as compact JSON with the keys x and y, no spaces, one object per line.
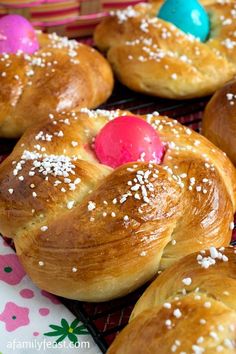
{"x":152,"y":56}
{"x":219,"y":120}
{"x":87,"y":232}
{"x":62,"y":75}
{"x":187,"y":309}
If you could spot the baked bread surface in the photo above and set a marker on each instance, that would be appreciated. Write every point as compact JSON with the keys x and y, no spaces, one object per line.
{"x":187,"y":309}
{"x":153,"y":56}
{"x":62,"y":75}
{"x":219,"y":120}
{"x":85,"y":231}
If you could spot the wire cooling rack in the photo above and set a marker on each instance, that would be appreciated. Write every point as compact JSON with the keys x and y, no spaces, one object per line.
{"x":105,"y":320}
{"x":187,"y":112}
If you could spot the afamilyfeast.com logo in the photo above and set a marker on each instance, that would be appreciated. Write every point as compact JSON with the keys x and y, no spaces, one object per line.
{"x":43,"y":345}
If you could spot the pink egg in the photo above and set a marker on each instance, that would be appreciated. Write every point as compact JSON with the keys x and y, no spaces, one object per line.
{"x":127,"y":139}
{"x":16,"y":33}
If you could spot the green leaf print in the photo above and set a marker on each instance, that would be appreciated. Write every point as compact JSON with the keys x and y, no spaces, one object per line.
{"x":66,"y":330}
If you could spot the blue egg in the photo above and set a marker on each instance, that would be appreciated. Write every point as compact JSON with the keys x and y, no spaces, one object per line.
{"x":188,"y":15}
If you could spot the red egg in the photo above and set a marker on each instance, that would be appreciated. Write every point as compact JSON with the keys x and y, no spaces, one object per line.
{"x":127,"y":139}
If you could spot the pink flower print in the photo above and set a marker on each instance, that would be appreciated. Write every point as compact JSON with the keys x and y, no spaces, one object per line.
{"x":51,"y":297}
{"x":7,"y":241}
{"x":27,"y":293}
{"x":44,"y":311}
{"x":5,"y":244}
{"x":11,"y":271}
{"x":14,"y":316}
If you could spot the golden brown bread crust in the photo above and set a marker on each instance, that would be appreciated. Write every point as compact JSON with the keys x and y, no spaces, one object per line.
{"x":61,"y":76}
{"x":59,"y":203}
{"x":219,"y":120}
{"x":152,"y":56}
{"x":187,"y":309}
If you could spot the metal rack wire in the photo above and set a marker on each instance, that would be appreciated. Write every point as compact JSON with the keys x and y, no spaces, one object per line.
{"x":184,"y":111}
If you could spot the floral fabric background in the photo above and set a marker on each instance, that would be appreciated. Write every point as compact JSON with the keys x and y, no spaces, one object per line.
{"x":32,"y":320}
